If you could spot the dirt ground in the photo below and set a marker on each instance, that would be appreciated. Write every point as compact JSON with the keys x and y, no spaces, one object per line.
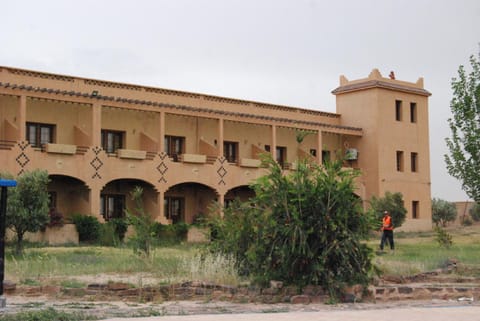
{"x":119,"y":309}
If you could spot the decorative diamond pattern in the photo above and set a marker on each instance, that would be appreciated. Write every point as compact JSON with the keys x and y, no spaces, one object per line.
{"x":22,"y":159}
{"x":96,"y":162}
{"x":221,"y":171}
{"x":162,"y":168}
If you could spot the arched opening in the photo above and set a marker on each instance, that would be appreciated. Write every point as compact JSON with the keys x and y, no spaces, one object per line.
{"x":187,"y":202}
{"x":242,"y":193}
{"x":116,"y":197}
{"x":68,"y":195}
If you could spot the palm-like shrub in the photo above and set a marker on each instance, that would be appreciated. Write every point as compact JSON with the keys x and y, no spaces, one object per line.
{"x":303,"y":228}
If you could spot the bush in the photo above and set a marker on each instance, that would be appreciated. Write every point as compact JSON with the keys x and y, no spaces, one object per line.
{"x":467,"y":221}
{"x":443,"y":238}
{"x":107,"y":236}
{"x":443,"y":212}
{"x":304,"y":228}
{"x":170,"y":233}
{"x":120,"y":226}
{"x":88,"y":227}
{"x":475,"y":212}
{"x":56,"y":218}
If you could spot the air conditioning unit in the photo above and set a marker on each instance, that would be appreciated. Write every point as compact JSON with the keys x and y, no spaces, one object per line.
{"x":351,"y":154}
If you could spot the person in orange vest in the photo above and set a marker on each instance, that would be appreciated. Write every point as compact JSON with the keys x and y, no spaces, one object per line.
{"x":387,"y":231}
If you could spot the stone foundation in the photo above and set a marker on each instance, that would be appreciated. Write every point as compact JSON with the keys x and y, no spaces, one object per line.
{"x":201,"y":291}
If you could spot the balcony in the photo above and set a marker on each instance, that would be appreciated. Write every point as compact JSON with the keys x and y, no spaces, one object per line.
{"x":60,"y":149}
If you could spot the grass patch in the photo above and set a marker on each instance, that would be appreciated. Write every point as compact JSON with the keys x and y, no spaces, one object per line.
{"x":48,"y":314}
{"x":414,"y":253}
{"x":72,"y":283}
{"x":167,"y":265}
{"x":421,"y":252}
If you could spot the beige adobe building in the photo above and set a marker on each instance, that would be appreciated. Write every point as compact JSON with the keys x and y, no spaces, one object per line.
{"x":98,"y":139}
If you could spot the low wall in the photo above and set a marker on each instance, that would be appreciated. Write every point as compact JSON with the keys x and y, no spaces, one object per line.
{"x":416,"y":225}
{"x":197,"y":235}
{"x":55,"y":235}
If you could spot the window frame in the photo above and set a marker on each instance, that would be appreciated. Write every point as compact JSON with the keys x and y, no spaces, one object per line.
{"x":174,"y":146}
{"x":52,"y":199}
{"x":230,"y":151}
{"x":400,"y":161}
{"x":38,"y":139}
{"x":414,"y":162}
{"x":120,"y":135}
{"x":168,"y":206}
{"x":413,"y":112}
{"x":281,"y":155}
{"x":115,"y":212}
{"x":415,"y":209}
{"x":326,"y":154}
{"x":398,"y":110}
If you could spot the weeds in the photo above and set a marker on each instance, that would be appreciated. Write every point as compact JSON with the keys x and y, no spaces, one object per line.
{"x":48,"y":314}
{"x":212,"y":267}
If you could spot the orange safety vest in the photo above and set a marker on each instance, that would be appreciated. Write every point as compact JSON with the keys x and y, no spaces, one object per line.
{"x":387,"y":223}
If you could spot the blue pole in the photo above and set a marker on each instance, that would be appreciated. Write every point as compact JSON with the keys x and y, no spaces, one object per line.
{"x":4,"y":184}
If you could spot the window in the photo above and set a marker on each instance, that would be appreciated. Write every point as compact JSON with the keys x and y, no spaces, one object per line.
{"x":228,"y":202}
{"x":52,"y":199}
{"x":413,"y":112}
{"x":39,"y":134}
{"x":414,"y":162}
{"x":230,"y":151}
{"x":112,"y":140}
{"x":174,"y":208}
{"x":174,"y":146}
{"x":325,"y":156}
{"x":281,"y":155}
{"x":112,"y":206}
{"x":399,"y":161}
{"x":313,"y":152}
{"x":415,"y":209}
{"x":398,"y":110}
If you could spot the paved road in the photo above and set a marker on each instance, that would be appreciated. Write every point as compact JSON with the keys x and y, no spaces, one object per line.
{"x":446,"y":313}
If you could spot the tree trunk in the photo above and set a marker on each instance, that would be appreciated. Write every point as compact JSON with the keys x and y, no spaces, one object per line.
{"x":19,"y":244}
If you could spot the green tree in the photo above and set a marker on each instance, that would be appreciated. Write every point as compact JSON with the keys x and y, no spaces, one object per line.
{"x":302,"y":228}
{"x":27,"y":205}
{"x":142,"y":223}
{"x":391,"y":202}
{"x":475,"y":212}
{"x":463,"y":162}
{"x":443,"y":212}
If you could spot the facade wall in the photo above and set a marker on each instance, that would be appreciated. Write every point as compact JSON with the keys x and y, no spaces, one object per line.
{"x":83,"y":172}
{"x":395,"y":146}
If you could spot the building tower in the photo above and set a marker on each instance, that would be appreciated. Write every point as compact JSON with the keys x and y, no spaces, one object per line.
{"x":393,"y":153}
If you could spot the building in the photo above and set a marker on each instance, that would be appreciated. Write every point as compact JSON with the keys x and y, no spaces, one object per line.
{"x":98,"y":139}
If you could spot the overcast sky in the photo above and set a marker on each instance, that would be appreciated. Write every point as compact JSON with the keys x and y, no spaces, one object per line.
{"x":277,"y":51}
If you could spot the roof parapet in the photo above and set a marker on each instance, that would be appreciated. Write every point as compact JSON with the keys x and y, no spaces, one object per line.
{"x":376,"y":80}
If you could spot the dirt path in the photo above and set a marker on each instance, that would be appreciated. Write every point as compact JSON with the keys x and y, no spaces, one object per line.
{"x":119,"y":309}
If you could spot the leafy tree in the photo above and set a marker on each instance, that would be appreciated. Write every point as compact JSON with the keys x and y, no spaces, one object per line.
{"x":303,"y":228}
{"x":142,"y":223}
{"x":475,"y":212}
{"x":27,"y":205}
{"x":443,"y":212}
{"x":391,"y":202}
{"x":463,"y":162}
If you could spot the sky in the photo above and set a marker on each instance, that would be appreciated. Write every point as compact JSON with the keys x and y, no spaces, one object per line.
{"x":286,"y":52}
